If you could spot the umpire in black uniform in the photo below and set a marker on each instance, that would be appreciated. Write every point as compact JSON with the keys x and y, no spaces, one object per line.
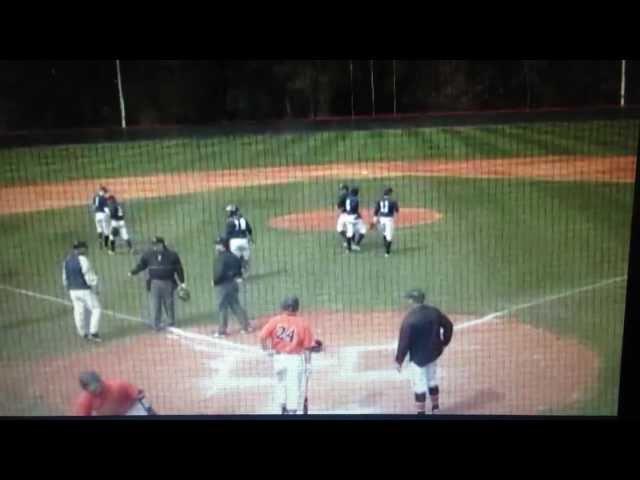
{"x":163,"y":266}
{"x":424,"y":334}
{"x":227,"y":273}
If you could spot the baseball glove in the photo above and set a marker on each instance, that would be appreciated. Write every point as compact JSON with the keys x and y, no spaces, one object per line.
{"x":183,"y":293}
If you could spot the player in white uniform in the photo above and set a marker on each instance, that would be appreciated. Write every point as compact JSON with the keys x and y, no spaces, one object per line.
{"x":341,"y":224}
{"x":81,"y":282}
{"x":384,"y":217}
{"x":356,"y":228}
{"x":118,"y":226}
{"x":239,"y":234}
{"x":98,"y":207}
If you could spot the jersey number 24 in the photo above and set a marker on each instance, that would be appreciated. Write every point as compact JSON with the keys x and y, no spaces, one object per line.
{"x":284,"y":333}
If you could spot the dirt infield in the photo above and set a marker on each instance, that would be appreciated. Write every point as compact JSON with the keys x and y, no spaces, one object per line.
{"x":30,"y":198}
{"x":325,"y":220}
{"x":498,"y":367}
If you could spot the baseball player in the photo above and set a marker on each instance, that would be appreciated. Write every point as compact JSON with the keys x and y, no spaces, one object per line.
{"x":240,"y":234}
{"x":98,"y":207}
{"x":384,"y":217}
{"x":288,"y":339}
{"x":424,"y":334}
{"x":117,"y":225}
{"x":341,"y":225}
{"x":356,"y":228}
{"x":81,"y":282}
{"x":227,"y":272}
{"x":109,"y":397}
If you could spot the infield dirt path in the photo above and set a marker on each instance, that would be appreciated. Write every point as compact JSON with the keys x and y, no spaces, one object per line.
{"x":503,"y":367}
{"x":38,"y":197}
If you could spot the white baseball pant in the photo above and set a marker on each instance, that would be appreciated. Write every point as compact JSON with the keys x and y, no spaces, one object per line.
{"x":82,"y":301}
{"x":341,"y":224}
{"x":102,"y":223}
{"x":386,"y":225}
{"x":424,"y":377}
{"x":289,"y":371}
{"x":120,"y":225}
{"x":355,"y":224}
{"x":240,"y":247}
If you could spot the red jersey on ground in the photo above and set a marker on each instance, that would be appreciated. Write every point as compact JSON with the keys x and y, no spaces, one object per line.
{"x":116,"y":398}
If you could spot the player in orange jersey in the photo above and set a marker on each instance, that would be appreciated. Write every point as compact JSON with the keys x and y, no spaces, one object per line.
{"x":288,"y":337}
{"x":109,"y":397}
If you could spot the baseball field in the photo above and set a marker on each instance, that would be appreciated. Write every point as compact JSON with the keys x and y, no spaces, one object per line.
{"x":519,"y":232}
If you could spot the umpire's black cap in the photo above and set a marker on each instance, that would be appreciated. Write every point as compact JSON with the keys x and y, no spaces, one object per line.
{"x":157,"y":241}
{"x":415,"y":295}
{"x":77,"y":245}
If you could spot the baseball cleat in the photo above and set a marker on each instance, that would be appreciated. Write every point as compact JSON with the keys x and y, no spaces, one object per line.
{"x":219,"y":335}
{"x":435,"y":409}
{"x":94,"y":337}
{"x":355,"y":247}
{"x":246,"y":331}
{"x":111,"y":252}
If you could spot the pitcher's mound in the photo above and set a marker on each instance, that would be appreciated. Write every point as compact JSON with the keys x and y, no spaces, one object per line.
{"x":325,"y":220}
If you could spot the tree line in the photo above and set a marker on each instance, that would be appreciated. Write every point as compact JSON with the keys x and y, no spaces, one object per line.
{"x":84,"y":94}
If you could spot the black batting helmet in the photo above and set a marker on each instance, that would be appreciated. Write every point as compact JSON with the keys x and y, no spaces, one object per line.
{"x":290,"y":304}
{"x":415,"y":295}
{"x":80,"y":244}
{"x":355,"y":191}
{"x":344,"y":186}
{"x":387,"y":191}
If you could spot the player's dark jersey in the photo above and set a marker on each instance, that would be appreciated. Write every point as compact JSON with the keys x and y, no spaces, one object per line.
{"x":342,"y":199}
{"x":99,"y":203}
{"x":238,"y":227}
{"x":115,"y":211}
{"x":386,"y":207}
{"x":352,"y":205}
{"x":424,"y":334}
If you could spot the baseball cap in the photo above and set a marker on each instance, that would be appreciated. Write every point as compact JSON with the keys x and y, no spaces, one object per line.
{"x":157,"y":240}
{"x":415,"y":294}
{"x":80,"y":244}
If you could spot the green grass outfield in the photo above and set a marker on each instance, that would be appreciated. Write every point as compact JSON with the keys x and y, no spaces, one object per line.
{"x":500,"y":243}
{"x":44,"y":164}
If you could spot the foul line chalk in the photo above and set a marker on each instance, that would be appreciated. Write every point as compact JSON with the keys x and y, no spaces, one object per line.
{"x":256,"y":350}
